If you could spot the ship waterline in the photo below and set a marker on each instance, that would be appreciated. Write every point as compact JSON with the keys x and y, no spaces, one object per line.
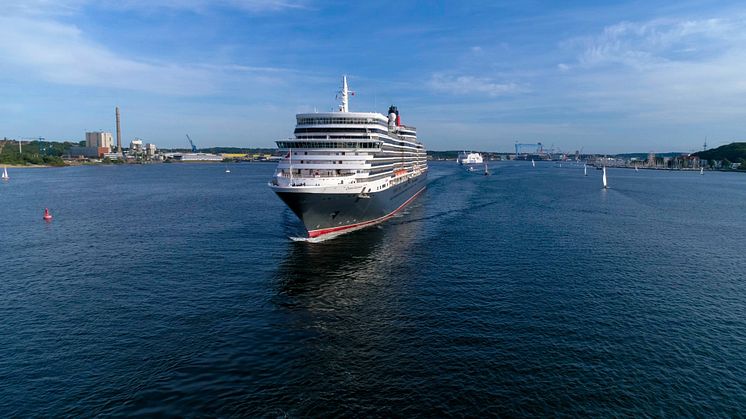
{"x":345,"y":171}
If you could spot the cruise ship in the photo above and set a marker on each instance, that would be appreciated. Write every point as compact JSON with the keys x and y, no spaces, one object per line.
{"x":465,"y":158}
{"x":344,"y":170}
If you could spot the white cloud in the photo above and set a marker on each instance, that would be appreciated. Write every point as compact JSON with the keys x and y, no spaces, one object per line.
{"x":201,"y":6}
{"x":469,"y":85}
{"x":60,"y":53}
{"x":65,"y":7}
{"x":640,"y":44}
{"x":664,"y":70}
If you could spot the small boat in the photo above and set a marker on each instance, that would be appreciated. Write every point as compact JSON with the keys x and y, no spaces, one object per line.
{"x":227,"y":170}
{"x":5,"y":173}
{"x":47,"y":216}
{"x":486,"y":170}
{"x":636,"y":169}
{"x":533,"y":163}
{"x":701,"y":170}
{"x":471,"y":168}
{"x":606,"y":185}
{"x":585,"y":170}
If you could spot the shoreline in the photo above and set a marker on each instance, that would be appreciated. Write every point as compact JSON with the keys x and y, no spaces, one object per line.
{"x":47,"y":166}
{"x":30,"y":166}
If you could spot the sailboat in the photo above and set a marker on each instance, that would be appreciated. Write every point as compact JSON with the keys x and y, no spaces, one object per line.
{"x":585,"y":170}
{"x":701,"y":170}
{"x":486,"y":170}
{"x":636,"y":169}
{"x":533,"y":163}
{"x":606,"y":186}
{"x":5,"y":173}
{"x":227,"y":170}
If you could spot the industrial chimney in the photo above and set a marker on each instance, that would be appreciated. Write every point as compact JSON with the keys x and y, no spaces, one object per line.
{"x":119,"y":134}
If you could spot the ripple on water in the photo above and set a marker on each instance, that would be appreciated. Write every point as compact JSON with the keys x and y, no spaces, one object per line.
{"x":529,"y":292}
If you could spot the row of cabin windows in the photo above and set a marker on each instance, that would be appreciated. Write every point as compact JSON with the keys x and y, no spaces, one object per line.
{"x":334,"y":130}
{"x":330,"y":162}
{"x":334,"y":137}
{"x":316,"y":121}
{"x":326,"y":144}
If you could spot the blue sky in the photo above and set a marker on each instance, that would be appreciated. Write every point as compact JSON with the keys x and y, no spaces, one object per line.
{"x":612,"y":77}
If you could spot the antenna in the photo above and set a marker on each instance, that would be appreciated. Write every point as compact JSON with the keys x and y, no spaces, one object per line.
{"x":345,"y":96}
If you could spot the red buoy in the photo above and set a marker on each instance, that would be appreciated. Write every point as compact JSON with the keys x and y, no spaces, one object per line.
{"x":47,"y":216}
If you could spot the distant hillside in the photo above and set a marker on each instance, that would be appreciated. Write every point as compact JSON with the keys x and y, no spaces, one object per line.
{"x":733,"y":152}
{"x":34,"y":152}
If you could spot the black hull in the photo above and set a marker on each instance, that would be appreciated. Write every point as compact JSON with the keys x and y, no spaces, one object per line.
{"x":334,"y":213}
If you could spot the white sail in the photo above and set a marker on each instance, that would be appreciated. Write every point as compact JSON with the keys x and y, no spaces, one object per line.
{"x":604,"y":178}
{"x":701,"y":170}
{"x":636,"y":170}
{"x":585,"y":170}
{"x":5,"y":173}
{"x":533,"y":164}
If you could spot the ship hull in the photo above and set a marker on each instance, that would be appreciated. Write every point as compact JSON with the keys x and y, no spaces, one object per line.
{"x":324,"y":213}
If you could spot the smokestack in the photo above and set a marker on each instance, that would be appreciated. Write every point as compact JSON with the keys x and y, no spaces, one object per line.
{"x":119,"y":134}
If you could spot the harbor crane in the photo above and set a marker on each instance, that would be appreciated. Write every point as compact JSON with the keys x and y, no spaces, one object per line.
{"x":194,"y":147}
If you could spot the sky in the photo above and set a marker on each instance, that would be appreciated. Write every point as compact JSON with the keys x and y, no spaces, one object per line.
{"x":600,"y":77}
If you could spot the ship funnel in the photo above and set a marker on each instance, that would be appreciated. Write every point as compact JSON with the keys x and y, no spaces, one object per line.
{"x":393,"y":115}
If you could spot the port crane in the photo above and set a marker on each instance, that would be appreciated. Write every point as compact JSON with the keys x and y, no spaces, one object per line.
{"x":535,"y":148}
{"x":194,"y":147}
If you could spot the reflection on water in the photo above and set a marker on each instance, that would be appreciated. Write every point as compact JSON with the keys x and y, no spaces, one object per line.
{"x":351,"y":265}
{"x":531,"y":292}
{"x":340,"y":299}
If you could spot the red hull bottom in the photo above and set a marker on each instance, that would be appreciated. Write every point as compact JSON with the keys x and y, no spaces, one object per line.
{"x":357,"y":226}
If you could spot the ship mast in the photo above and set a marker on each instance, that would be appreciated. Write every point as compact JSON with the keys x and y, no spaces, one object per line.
{"x":345,"y":92}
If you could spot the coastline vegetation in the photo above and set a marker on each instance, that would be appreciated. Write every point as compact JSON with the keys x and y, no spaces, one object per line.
{"x":34,"y":152}
{"x":729,"y":153}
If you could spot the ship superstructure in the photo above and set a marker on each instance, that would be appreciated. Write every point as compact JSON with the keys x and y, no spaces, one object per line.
{"x":466,"y":158}
{"x":347,"y":170}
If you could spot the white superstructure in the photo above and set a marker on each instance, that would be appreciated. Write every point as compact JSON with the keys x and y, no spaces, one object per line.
{"x":469,"y":158}
{"x":349,"y":152}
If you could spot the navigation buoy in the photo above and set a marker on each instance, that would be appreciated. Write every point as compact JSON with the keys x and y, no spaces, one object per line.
{"x":47,"y":216}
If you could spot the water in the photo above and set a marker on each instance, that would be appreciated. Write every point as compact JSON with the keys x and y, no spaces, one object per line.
{"x":176,"y":289}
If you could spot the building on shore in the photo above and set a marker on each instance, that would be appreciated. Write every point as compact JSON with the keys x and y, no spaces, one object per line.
{"x":150,"y":150}
{"x":135,"y":145}
{"x":195,"y":157}
{"x":88,"y":152}
{"x":100,"y":139}
{"x":97,"y":144}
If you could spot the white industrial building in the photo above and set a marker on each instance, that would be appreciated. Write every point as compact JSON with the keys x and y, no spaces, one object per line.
{"x":150,"y":150}
{"x":136,"y":145}
{"x":99,"y":139}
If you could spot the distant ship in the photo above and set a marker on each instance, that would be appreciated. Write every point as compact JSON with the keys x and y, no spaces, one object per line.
{"x":345,"y":170}
{"x":466,"y":158}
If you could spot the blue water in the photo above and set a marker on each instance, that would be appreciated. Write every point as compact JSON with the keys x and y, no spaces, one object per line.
{"x":176,"y":290}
